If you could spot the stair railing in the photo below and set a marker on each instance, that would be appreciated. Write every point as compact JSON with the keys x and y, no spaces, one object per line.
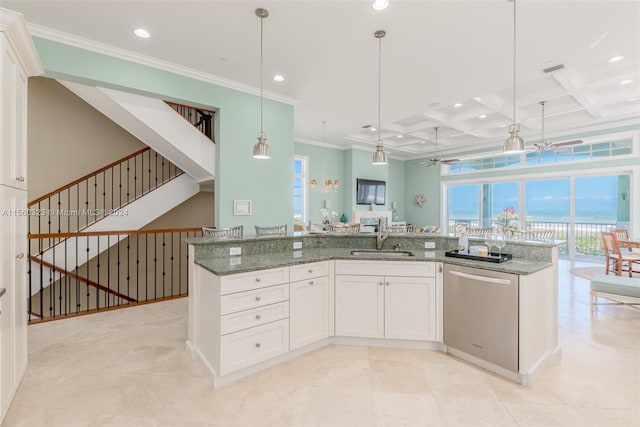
{"x":79,"y":204}
{"x":199,"y":118}
{"x":131,"y":267}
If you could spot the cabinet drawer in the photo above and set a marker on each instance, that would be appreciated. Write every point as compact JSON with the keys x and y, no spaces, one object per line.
{"x":233,"y":303}
{"x":253,"y":280}
{"x":387,"y":268}
{"x":249,"y":318}
{"x":308,"y":271}
{"x":254,"y":345}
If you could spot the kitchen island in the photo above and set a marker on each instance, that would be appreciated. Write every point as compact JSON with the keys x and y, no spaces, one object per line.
{"x":284,"y":296}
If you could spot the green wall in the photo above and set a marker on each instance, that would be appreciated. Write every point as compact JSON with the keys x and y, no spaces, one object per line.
{"x":424,"y":181}
{"x":330,"y":160}
{"x":268,"y":183}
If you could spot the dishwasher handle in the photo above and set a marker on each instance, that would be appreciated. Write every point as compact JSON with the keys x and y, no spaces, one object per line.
{"x":480,"y":278}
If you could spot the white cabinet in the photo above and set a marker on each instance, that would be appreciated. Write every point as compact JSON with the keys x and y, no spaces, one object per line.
{"x":13,"y":118}
{"x":309,"y":311}
{"x":373,"y":306}
{"x":13,"y":271}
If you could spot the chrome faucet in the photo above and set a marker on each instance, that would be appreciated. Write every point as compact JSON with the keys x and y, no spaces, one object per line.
{"x":381,"y":237}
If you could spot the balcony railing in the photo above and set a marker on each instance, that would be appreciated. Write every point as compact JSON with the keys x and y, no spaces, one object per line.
{"x":126,"y":268}
{"x":586,"y":234}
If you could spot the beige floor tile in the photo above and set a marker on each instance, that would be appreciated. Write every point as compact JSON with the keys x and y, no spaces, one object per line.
{"x":471,"y":412}
{"x":401,"y":409}
{"x":328,"y":406}
{"x":398,"y":377}
{"x":530,"y":414}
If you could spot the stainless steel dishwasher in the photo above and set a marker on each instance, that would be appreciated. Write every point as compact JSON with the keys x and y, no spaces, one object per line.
{"x":481,"y":314}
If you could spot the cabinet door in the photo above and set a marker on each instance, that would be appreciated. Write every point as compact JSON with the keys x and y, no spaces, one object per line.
{"x":308,"y":311}
{"x":360,"y":306}
{"x":13,"y":109}
{"x":410,"y":308}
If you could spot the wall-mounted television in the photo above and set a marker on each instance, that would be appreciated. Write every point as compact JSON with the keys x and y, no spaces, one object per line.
{"x":370,"y":191}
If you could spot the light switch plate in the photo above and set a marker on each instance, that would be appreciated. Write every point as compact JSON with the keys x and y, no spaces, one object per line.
{"x":429,"y":254}
{"x":429,"y":245}
{"x":297,"y":245}
{"x":235,"y":251}
{"x":297,"y":254}
{"x":235,"y":261}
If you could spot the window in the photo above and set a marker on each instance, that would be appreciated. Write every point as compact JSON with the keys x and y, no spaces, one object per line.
{"x":602,"y":148}
{"x":300,"y":189}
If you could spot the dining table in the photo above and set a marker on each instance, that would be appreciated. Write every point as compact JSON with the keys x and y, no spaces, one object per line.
{"x":629,"y":243}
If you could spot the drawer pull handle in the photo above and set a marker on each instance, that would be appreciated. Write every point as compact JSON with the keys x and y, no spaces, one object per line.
{"x":311,"y":270}
{"x":311,"y":282}
{"x":257,"y":279}
{"x":257,"y":345}
{"x":258,"y":316}
{"x":258,"y":298}
{"x":380,"y":283}
{"x":387,"y":283}
{"x":20,"y":178}
{"x":20,"y":256}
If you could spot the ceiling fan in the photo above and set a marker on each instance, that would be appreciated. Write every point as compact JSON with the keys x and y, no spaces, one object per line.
{"x":547,"y":145}
{"x":437,"y":160}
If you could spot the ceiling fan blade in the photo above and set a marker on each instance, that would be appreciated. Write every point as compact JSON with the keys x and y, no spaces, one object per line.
{"x":450,"y":161}
{"x":566,"y":143}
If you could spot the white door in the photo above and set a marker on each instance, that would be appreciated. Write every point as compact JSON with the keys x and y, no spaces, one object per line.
{"x":410,"y":308}
{"x":360,"y":306}
{"x":308,"y":311}
{"x":13,"y":118}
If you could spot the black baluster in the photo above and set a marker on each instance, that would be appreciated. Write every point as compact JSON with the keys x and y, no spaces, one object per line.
{"x":109,"y":261}
{"x":180,"y":262}
{"x":98,"y":276}
{"x":128,"y":265}
{"x":163,"y":266}
{"x":172,"y":240}
{"x":88,"y":278}
{"x":155,"y":265}
{"x":128,"y":190}
{"x":138,"y":267}
{"x":146,"y":266}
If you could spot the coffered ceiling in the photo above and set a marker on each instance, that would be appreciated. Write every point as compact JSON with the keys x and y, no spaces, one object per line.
{"x":436,"y":55}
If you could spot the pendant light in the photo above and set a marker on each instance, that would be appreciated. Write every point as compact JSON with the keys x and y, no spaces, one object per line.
{"x":261,"y":149}
{"x":330,"y":186}
{"x":514,"y":143}
{"x":379,"y":157}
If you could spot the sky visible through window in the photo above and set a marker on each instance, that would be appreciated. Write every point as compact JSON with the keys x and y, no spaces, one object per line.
{"x":546,"y":200}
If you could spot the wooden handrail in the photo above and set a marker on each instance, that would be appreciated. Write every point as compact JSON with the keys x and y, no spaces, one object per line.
{"x":112,"y":233}
{"x":79,"y":180}
{"x":82,"y":279}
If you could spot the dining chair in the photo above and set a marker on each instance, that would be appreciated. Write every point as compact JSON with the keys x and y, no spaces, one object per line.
{"x":352,"y":228}
{"x":615,"y":259}
{"x":223,"y":233}
{"x":273,"y":230}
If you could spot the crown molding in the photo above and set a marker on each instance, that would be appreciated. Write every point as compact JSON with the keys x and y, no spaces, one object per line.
{"x":127,"y":55}
{"x":320,"y":144}
{"x":14,"y":26}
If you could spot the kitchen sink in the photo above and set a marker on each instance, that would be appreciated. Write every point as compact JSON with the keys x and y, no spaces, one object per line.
{"x":383,"y":253}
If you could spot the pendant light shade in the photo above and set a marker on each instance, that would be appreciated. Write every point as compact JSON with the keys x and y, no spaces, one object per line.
{"x":514,"y":143}
{"x":379,"y":157}
{"x":261,"y":149}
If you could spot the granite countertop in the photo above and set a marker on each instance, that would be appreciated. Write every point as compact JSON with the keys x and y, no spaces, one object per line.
{"x":242,"y":264}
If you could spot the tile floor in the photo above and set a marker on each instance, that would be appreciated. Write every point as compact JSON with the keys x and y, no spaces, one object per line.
{"x":129,"y":368}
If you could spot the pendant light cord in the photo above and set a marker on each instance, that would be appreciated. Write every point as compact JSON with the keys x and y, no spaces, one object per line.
{"x":514,"y":62}
{"x":379,"y":84}
{"x":542,"y":103}
{"x":261,"y":67}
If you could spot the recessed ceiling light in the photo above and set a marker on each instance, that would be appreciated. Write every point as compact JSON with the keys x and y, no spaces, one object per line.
{"x":398,"y":136}
{"x":380,"y":4}
{"x":278,"y":78}
{"x":373,"y":129}
{"x":626,"y":82}
{"x":482,"y":116}
{"x":616,"y":59}
{"x":635,"y":98}
{"x":222,"y":59}
{"x":142,"y":33}
{"x":457,"y":105}
{"x":423,"y":142}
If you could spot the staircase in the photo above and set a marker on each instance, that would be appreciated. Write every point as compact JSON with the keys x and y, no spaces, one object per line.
{"x":75,"y":230}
